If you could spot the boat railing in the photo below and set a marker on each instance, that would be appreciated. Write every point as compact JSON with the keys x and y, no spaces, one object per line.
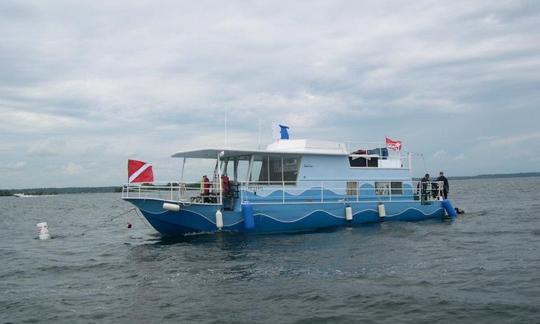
{"x":289,"y":192}
{"x":186,"y":192}
{"x":339,"y":191}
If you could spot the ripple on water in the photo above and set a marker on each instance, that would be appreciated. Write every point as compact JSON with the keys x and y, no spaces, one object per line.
{"x":480,"y":268}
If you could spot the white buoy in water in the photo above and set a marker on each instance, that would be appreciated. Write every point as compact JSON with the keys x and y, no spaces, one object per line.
{"x":219,"y":219}
{"x":43,"y":231}
{"x":348,"y":213}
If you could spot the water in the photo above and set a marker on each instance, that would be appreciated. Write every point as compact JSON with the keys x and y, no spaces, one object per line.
{"x":484,"y":267}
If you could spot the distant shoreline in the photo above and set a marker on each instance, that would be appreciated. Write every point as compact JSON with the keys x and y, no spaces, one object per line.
{"x":498,"y":176}
{"x":109,"y":189}
{"x":59,"y":191}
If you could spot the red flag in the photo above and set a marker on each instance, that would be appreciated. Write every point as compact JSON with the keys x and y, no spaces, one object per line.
{"x":139,"y":171}
{"x":394,"y":145}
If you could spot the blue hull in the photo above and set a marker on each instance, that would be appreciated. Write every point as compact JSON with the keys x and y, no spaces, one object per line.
{"x":278,"y":218}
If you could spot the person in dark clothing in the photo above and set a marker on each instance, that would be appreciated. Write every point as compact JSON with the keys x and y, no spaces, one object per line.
{"x":424,"y":186}
{"x":446,"y":186}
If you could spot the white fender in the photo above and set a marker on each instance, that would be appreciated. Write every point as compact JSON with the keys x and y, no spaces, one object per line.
{"x":382,"y":210}
{"x":219,"y":219}
{"x":348,"y":213}
{"x":171,"y":207}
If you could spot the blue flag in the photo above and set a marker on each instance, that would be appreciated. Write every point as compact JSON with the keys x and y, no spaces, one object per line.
{"x":280,"y":132}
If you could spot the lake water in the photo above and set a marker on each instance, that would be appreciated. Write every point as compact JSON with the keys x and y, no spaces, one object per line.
{"x":483,"y":267}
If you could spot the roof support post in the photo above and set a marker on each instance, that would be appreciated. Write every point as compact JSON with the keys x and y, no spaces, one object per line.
{"x":182,"y":170}
{"x":219,"y":178}
{"x":249,"y":169}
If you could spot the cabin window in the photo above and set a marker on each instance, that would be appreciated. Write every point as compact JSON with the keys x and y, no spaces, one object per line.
{"x":257,"y":169}
{"x":242,"y":169}
{"x":290,"y":169}
{"x":382,"y":188}
{"x":275,"y":169}
{"x":397,"y":188}
{"x":270,"y":169}
{"x":227,"y":167}
{"x":352,"y":188}
{"x":385,"y":188}
{"x":363,"y":162}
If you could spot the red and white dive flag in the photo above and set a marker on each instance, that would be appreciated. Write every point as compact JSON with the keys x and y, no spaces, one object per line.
{"x":394,"y":145}
{"x":139,"y":171}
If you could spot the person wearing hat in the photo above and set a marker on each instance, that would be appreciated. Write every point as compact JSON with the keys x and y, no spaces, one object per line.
{"x":446,"y":186}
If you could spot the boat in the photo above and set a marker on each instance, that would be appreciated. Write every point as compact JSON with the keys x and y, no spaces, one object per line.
{"x":291,"y":186}
{"x":23,"y":195}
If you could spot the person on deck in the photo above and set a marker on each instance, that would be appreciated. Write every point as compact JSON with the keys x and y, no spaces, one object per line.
{"x":205,"y":186}
{"x":205,"y":189}
{"x":225,"y":184}
{"x":424,"y":182}
{"x":446,"y":186}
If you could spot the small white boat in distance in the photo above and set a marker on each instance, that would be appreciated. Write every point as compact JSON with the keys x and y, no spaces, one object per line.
{"x":23,"y":195}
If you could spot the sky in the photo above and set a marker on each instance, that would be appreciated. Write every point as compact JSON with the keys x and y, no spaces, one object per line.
{"x":85,"y":85}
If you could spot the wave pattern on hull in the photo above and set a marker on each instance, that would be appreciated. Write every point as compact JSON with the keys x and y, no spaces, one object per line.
{"x":186,"y":221}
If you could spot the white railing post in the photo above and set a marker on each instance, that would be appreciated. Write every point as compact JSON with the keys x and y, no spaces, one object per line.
{"x":322,"y":192}
{"x":241,"y":193}
{"x":282,"y":189}
{"x":219,"y":179}
{"x":139,"y":191}
{"x":171,"y":191}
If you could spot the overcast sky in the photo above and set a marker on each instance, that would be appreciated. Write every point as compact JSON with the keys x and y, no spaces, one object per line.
{"x":86,"y":85}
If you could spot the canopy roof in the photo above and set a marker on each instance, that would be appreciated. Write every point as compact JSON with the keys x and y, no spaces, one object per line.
{"x":213,"y":153}
{"x":283,"y":147}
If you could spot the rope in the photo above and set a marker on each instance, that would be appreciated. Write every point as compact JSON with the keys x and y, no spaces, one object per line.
{"x":143,"y":218}
{"x":124,"y":213}
{"x":129,"y":211}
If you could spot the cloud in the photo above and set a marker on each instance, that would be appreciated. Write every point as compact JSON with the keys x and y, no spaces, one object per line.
{"x":46,"y":147}
{"x":515,"y":139}
{"x":440,"y":154}
{"x":97,"y":83}
{"x":460,"y":156}
{"x":15,"y":166}
{"x":72,"y":168}
{"x":35,"y":122}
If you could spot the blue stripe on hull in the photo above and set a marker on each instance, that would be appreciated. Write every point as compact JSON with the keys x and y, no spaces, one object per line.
{"x":270,"y":218}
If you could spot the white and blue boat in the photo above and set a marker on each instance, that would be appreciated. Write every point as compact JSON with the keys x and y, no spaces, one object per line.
{"x":291,"y":186}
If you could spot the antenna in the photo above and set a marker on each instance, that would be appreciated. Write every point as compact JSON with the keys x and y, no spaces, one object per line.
{"x":226,"y":130}
{"x":259,"y":137}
